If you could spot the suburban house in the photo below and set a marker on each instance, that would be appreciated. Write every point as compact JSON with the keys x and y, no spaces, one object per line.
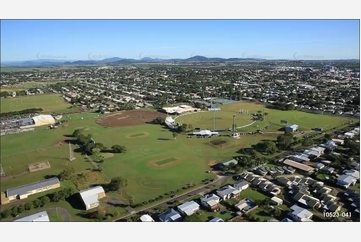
{"x":328,"y":170}
{"x":23,"y":192}
{"x":211,"y":202}
{"x":245,"y":205}
{"x":346,"y":181}
{"x":306,"y":200}
{"x":319,"y":165}
{"x":216,"y":219}
{"x":241,"y":185}
{"x":353,"y":173}
{"x":170,"y":215}
{"x":338,"y":141}
{"x":146,"y":218}
{"x":37,"y":217}
{"x":188,"y":208}
{"x":298,"y":166}
{"x":91,"y":196}
{"x":299,"y":214}
{"x":291,"y":128}
{"x":228,"y":192}
{"x":276,"y":201}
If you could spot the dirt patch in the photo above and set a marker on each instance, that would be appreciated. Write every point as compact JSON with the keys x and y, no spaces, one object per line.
{"x":137,"y":135}
{"x":129,"y":118}
{"x":39,"y":166}
{"x":218,"y":142}
{"x":212,"y":163}
{"x":156,"y":164}
{"x":107,"y":155}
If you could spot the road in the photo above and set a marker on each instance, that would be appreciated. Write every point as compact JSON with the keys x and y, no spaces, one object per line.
{"x":185,"y":196}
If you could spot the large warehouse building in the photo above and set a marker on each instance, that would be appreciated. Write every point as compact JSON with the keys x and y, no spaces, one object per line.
{"x":44,"y":119}
{"x":33,"y":188}
{"x":180,"y":109}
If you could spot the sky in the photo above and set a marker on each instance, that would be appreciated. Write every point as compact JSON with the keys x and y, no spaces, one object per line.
{"x":99,"y":39}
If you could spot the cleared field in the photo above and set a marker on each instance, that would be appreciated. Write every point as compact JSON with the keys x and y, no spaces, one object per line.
{"x":48,"y":102}
{"x":224,"y":118}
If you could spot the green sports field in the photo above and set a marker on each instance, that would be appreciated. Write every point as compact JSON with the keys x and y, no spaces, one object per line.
{"x":244,"y":123}
{"x":48,"y":102}
{"x":155,"y":163}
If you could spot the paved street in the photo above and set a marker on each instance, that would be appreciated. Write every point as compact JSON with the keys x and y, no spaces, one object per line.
{"x":180,"y":198}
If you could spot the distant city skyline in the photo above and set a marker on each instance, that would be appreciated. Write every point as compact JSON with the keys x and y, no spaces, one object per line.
{"x":23,"y":40}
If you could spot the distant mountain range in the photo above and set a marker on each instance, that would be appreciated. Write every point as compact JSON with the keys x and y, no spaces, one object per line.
{"x":118,"y":60}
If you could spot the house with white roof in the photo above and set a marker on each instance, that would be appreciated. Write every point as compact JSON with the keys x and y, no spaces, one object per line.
{"x":188,"y":208}
{"x":299,"y":214}
{"x":146,"y":218}
{"x":353,"y":173}
{"x":210,"y":201}
{"x":228,"y":192}
{"x":346,"y":181}
{"x":91,"y":196}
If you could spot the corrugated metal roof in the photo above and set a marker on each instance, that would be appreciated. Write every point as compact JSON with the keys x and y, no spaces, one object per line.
{"x":37,"y":217}
{"x":90,"y":195}
{"x":30,"y":187}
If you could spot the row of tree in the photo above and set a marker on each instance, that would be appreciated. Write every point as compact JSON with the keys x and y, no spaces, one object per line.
{"x":90,"y":147}
{"x":21,"y":112}
{"x":39,"y":202}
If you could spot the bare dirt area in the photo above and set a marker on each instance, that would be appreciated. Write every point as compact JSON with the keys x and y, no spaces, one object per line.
{"x":39,"y":166}
{"x":129,"y":118}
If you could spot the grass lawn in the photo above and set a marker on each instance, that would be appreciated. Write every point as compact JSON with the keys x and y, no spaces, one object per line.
{"x":252,"y":195}
{"x":224,"y":118}
{"x":48,"y":102}
{"x":207,"y":215}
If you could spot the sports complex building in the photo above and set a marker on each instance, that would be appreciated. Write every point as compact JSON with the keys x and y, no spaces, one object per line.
{"x":31,"y":122}
{"x":181,"y":109}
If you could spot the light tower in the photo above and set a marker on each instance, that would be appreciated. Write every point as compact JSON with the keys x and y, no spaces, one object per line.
{"x":2,"y":173}
{"x":71,"y":154}
{"x":234,"y":129}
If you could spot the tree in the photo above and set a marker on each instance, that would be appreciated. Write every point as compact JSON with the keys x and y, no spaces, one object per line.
{"x":284,"y":141}
{"x":14,"y":211}
{"x":307,"y":142}
{"x":267,"y":147}
{"x":36,"y":203}
{"x":44,"y":201}
{"x":21,"y":208}
{"x":118,"y":149}
{"x":117,"y":184}
{"x":174,"y":135}
{"x":28,"y":206}
{"x":131,"y":200}
{"x":77,"y":133}
{"x":276,"y":212}
{"x":6,"y":213}
{"x":66,"y":174}
{"x":192,"y":218}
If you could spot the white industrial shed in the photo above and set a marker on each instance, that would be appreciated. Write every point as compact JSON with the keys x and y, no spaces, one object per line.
{"x":44,"y":119}
{"x":91,"y":196}
{"x":37,"y":217}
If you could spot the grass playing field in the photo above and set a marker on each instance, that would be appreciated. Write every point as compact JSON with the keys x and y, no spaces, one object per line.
{"x":224,"y":118}
{"x":48,"y":102}
{"x":154,"y":163}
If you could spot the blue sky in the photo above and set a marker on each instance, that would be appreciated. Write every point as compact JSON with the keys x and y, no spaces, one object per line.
{"x":99,"y":39}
